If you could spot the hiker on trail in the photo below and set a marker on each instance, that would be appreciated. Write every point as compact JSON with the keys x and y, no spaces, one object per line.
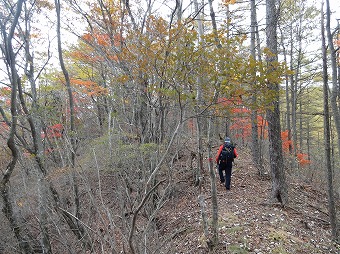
{"x":224,"y":159}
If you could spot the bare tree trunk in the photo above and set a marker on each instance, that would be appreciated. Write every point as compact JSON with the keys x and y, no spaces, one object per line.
{"x":149,"y":188}
{"x":288,"y":102}
{"x":335,"y":87}
{"x":199,"y":102}
{"x":81,"y":232}
{"x":254,"y":124}
{"x":213,"y":187}
{"x":331,"y":202}
{"x":293,"y":89}
{"x":297,"y":87}
{"x":35,"y":125}
{"x":279,"y":185}
{"x":16,"y":226}
{"x":210,"y":156}
{"x":199,"y":147}
{"x":68,"y":86}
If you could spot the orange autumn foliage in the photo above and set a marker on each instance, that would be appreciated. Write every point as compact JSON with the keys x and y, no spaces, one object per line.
{"x":86,"y":52}
{"x":286,"y":143}
{"x":303,"y":159}
{"x":243,"y":126}
{"x":229,"y":102}
{"x":227,"y":2}
{"x":103,"y":39}
{"x":241,"y":116}
{"x":54,"y":131}
{"x":89,"y":87}
{"x":242,"y":122}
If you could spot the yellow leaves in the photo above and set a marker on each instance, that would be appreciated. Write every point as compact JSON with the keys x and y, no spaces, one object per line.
{"x":34,"y":35}
{"x":271,"y":71}
{"x":227,"y":2}
{"x":20,"y":203}
{"x":122,"y":78}
{"x":157,"y":26}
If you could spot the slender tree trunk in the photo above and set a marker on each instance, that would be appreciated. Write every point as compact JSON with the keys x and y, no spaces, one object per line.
{"x":293,"y":90}
{"x":149,"y":187}
{"x":35,"y":125}
{"x":213,"y":186}
{"x":199,"y":102}
{"x":23,"y":241}
{"x":301,"y":136}
{"x":279,"y":185}
{"x":335,"y":88}
{"x":68,"y":86}
{"x":331,"y":202}
{"x":80,"y":230}
{"x":254,"y":124}
{"x":298,"y":83}
{"x":288,"y":109}
{"x":199,"y":136}
{"x":215,"y":236}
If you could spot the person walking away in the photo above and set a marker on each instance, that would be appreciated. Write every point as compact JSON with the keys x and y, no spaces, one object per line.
{"x":224,"y":159}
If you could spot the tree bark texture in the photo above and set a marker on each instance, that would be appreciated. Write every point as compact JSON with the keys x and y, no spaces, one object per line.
{"x":77,"y":227}
{"x":16,"y":225}
{"x":331,"y":201}
{"x":256,"y":151}
{"x":279,"y":186}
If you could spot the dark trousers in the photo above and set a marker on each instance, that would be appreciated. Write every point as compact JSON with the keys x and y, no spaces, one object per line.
{"x":227,"y":167}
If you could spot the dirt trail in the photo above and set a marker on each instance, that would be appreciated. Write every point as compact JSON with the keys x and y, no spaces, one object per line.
{"x":247,"y":223}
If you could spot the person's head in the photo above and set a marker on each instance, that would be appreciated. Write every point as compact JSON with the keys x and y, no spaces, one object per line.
{"x":227,"y":140}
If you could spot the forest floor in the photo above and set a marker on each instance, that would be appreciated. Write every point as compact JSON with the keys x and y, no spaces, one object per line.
{"x":247,"y":222}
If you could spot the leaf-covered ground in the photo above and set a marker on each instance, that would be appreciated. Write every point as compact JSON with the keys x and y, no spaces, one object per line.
{"x":247,"y":222}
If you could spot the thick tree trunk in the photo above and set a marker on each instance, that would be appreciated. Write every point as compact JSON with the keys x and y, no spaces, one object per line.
{"x":279,"y":186}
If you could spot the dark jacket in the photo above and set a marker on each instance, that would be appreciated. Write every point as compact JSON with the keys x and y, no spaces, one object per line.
{"x":219,"y":152}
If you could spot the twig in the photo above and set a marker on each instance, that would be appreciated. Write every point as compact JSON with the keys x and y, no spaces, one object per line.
{"x":135,"y":213}
{"x":307,"y":215}
{"x":70,"y":214}
{"x":179,"y":231}
{"x":319,"y":209}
